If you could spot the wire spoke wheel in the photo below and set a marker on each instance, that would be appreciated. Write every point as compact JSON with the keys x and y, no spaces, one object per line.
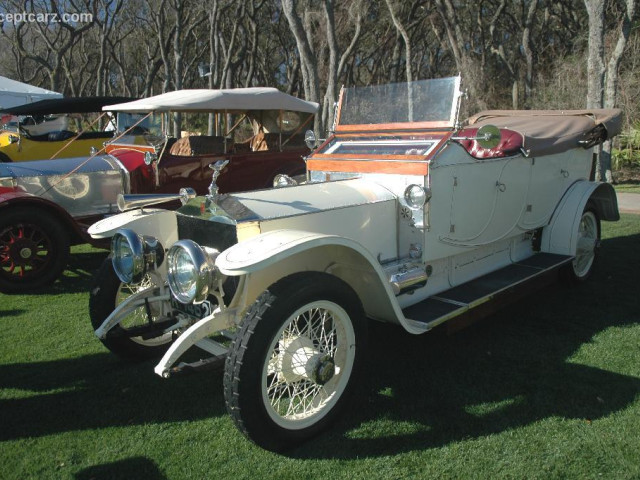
{"x":142,"y":315}
{"x":107,"y":293}
{"x":309,"y":364}
{"x":292,"y":365}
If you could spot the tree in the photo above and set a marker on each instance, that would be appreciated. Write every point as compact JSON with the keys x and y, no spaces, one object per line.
{"x":308,"y":61}
{"x":597,"y":74}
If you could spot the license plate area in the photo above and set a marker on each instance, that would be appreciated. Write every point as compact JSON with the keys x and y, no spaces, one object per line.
{"x":194,"y":310}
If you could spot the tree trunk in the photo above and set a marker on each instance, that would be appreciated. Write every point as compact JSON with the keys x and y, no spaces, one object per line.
{"x":595,"y":68}
{"x":308,"y":61}
{"x":457,"y":43}
{"x":332,"y":75}
{"x":595,"y":59}
{"x":528,"y":52}
{"x":611,"y":86}
{"x":407,"y":53}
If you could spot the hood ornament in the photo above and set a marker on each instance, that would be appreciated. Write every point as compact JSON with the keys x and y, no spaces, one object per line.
{"x":217,"y":168}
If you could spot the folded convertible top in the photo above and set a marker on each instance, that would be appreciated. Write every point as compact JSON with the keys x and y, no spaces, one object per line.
{"x":545,"y":132}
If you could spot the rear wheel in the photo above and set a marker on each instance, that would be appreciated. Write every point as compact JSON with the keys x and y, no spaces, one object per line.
{"x":581,"y":267}
{"x":34,"y":249}
{"x":294,"y":361}
{"x":106,"y":294}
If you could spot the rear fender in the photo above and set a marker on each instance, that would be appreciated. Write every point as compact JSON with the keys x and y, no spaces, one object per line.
{"x":268,"y":257}
{"x":561,"y":235}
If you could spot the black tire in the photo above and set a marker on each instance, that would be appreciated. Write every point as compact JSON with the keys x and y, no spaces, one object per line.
{"x":4,"y":158}
{"x":34,"y":249}
{"x":261,"y":344}
{"x":106,"y":293}
{"x":580,"y":269}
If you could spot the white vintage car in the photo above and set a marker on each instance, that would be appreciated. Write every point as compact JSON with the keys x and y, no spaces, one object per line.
{"x":406,"y":217}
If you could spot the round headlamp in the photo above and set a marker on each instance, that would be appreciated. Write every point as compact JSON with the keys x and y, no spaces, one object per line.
{"x":310,"y":139}
{"x":192,"y":271}
{"x":416,"y":196}
{"x":149,"y":158}
{"x":134,"y":255}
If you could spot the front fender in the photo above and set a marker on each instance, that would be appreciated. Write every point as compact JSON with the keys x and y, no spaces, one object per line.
{"x":16,"y":198}
{"x":268,"y":257}
{"x":158,"y":223}
{"x":561,"y":235}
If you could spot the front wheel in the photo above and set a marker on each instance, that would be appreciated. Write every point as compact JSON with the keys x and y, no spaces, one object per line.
{"x":293,"y":363}
{"x":107,"y":293}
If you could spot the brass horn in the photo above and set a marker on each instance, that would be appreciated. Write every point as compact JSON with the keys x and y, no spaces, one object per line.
{"x":128,"y":202}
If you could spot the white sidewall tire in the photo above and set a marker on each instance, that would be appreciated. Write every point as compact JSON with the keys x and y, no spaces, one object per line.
{"x":247,"y":366}
{"x":346,"y":350}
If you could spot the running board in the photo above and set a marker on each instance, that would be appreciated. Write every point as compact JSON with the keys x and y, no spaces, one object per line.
{"x":484,"y":295}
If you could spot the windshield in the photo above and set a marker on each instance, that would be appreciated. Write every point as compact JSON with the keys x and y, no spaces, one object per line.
{"x":139,"y":130}
{"x":150,"y":125}
{"x":432,"y":102}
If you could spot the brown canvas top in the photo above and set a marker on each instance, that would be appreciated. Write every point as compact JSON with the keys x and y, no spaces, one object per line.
{"x":545,"y":132}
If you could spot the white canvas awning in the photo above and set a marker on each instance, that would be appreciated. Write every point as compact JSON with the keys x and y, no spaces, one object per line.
{"x":13,"y":93}
{"x":206,"y":100}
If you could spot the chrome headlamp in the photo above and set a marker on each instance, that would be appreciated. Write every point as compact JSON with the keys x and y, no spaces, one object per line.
{"x":310,"y":139}
{"x":192,"y":271}
{"x":416,"y":196}
{"x":134,"y":255}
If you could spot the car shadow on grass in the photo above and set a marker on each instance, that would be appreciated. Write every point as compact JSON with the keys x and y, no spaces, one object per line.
{"x":511,"y":370}
{"x":418,"y":392}
{"x":98,"y":391}
{"x":77,"y":277}
{"x":127,"y":469}
{"x":14,"y":312}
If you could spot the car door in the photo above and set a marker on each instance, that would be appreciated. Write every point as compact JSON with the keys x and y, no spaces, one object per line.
{"x":488,"y":200}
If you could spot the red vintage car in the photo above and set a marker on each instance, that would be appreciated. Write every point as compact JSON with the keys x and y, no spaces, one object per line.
{"x":46,"y":206}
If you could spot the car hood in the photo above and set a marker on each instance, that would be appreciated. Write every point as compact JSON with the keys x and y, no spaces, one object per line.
{"x":305,"y":199}
{"x":357,"y":209}
{"x":62,"y":166}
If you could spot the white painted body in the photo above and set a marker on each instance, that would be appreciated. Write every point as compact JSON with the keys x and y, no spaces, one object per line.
{"x":471,"y":226}
{"x":481,"y":215}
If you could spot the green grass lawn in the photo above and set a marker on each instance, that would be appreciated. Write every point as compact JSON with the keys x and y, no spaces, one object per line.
{"x":627,"y":188}
{"x":547,"y":388}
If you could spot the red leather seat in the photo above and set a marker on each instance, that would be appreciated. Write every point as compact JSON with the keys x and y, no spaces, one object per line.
{"x":510,"y":144}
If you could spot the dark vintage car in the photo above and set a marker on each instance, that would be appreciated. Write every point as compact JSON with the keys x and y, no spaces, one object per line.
{"x":44,"y":130}
{"x":259,"y":130}
{"x":46,"y":206}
